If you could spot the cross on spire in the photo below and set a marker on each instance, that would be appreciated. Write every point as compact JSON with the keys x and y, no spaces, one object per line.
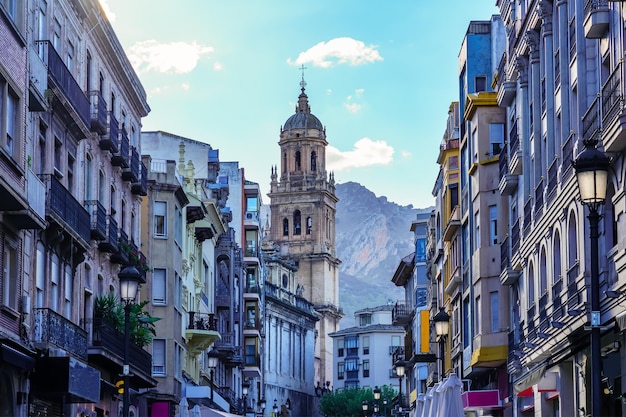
{"x":302,"y":83}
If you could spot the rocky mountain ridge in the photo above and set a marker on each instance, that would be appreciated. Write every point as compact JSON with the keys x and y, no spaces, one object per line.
{"x":372,"y":235}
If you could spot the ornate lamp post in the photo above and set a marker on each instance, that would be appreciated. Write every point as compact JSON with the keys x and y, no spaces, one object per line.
{"x":376,"y":398}
{"x":365,"y":406}
{"x":442,"y":328}
{"x":245,"y":385}
{"x":400,"y":368}
{"x":262,"y":407}
{"x":385,"y":406}
{"x":275,"y":408}
{"x":213,"y":360}
{"x":130,"y":278}
{"x":592,"y":168}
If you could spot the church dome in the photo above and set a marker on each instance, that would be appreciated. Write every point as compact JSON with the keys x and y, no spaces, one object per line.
{"x":303,"y":119}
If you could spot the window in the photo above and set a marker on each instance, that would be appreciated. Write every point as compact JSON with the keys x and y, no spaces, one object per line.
{"x":395,"y":341}
{"x":454,"y":195}
{"x":70,"y":56}
{"x":352,"y":345}
{"x":160,"y":218}
{"x":69,"y":289}
{"x":178,"y":225}
{"x":493,"y":225}
{"x":481,"y":84}
{"x":56,"y":35}
{"x":159,"y":282}
{"x":340,"y":348}
{"x":178,"y":361}
{"x":340,"y":370}
{"x":285,"y":227}
{"x":9,"y":110}
{"x":252,"y":204}
{"x":313,"y":161}
{"x":298,"y":161}
{"x":495,"y":319}
{"x":496,"y":138}
{"x":40,"y":275}
{"x":178,"y":291}
{"x":366,"y":345}
{"x":158,"y":357}
{"x":54,"y":281}
{"x":477,"y":314}
{"x":9,"y":284}
{"x":11,"y":8}
{"x":251,"y":356}
{"x":309,"y":225}
{"x":297,"y":226}
{"x":365,"y":319}
{"x":352,"y":365}
{"x":251,"y":243}
{"x":366,"y":368}
{"x":476,"y":230}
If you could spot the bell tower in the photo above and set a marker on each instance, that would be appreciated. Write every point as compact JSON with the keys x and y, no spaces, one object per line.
{"x":303,"y":206}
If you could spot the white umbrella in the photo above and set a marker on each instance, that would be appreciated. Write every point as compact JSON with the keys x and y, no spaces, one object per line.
{"x":451,"y":401}
{"x":428,"y":397}
{"x":419,"y":405}
{"x":435,"y":401}
{"x":183,"y":408}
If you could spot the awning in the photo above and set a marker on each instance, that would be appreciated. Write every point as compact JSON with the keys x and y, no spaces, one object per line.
{"x":480,"y":399}
{"x":548,"y":382}
{"x":527,"y":382}
{"x":16,"y":358}
{"x":210,"y":412}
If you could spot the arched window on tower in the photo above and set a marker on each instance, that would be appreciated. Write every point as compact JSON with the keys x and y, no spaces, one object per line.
{"x":297,"y":225}
{"x":285,"y":162}
{"x":313,"y":161}
{"x":298,"y":161}
{"x":285,"y":227}
{"x":309,"y":225}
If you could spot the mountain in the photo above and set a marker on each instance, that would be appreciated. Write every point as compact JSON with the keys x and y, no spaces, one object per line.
{"x":372,"y":235}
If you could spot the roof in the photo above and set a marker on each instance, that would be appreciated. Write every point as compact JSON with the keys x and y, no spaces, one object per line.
{"x":372,"y":328}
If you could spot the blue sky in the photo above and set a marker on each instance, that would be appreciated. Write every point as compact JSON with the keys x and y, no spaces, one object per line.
{"x":380,"y":76}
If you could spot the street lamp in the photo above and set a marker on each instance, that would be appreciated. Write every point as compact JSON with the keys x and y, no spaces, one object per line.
{"x":275,"y":408}
{"x":130,"y":278}
{"x":592,"y":169}
{"x":212,"y":365}
{"x":376,"y":398}
{"x":400,"y":368}
{"x":262,"y":406}
{"x":385,"y":406}
{"x":442,"y":328}
{"x":365,"y":406}
{"x":245,"y":385}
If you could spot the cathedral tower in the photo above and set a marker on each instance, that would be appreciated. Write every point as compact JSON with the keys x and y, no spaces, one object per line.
{"x":303,"y":207}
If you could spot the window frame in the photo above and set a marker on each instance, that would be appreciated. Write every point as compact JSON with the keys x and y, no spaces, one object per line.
{"x":160,"y":227}
{"x":161,"y":343}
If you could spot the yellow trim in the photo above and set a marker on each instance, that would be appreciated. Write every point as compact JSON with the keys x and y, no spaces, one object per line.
{"x":472,"y":168}
{"x":490,"y":160}
{"x":484,"y":98}
{"x":489,"y":354}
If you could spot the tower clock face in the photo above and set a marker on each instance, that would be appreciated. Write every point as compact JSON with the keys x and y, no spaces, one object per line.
{"x":285,"y":281}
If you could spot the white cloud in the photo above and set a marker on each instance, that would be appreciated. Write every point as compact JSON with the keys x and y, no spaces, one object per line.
{"x":359,"y":91}
{"x":405,"y":154}
{"x":352,"y":107}
{"x":218,"y":66}
{"x":366,"y":152}
{"x":340,"y":51}
{"x":107,"y":10}
{"x":185,"y":86}
{"x":329,"y":91}
{"x":176,"y":57}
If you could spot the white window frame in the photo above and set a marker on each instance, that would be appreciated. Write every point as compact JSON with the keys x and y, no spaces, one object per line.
{"x":157,"y":298}
{"x":159,"y":357}
{"x":160,"y":213}
{"x":493,"y":225}
{"x":10,"y":274}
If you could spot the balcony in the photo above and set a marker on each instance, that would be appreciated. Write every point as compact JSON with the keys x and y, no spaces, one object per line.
{"x":252,"y":327}
{"x":108,"y":141}
{"x":402,"y":314}
{"x":28,"y":214}
{"x":552,"y":181}
{"x":613,"y":115}
{"x":132,"y":173}
{"x":109,"y":243}
{"x":122,"y":156}
{"x":288,"y":298}
{"x":454,"y":282}
{"x":140,"y":187}
{"x":98,"y":216}
{"x":516,"y":155}
{"x":52,"y":330}
{"x":568,"y":157}
{"x":453,"y":224}
{"x":227,"y":350}
{"x":69,"y":100}
{"x":508,"y":181}
{"x":591,"y":121}
{"x":38,"y":82}
{"x":121,"y":256}
{"x":527,"y":215}
{"x":201,"y":331}
{"x":63,"y":209}
{"x":596,"y":19}
{"x":107,"y":350}
{"x":508,"y":275}
{"x":98,"y":111}
{"x":539,"y":200}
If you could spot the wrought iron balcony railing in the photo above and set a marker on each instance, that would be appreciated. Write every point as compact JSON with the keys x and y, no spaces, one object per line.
{"x":51,"y":328}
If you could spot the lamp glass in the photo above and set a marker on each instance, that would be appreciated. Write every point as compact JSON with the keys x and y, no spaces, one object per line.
{"x":442,"y":323}
{"x":212,"y":362}
{"x":364,"y":405}
{"x":129,"y":283}
{"x":592,"y":186}
{"x":244,"y":390}
{"x":400,"y":368}
{"x":377,"y":393}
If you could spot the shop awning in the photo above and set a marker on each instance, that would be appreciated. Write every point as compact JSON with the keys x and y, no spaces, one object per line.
{"x":480,"y":399}
{"x":524,"y":386}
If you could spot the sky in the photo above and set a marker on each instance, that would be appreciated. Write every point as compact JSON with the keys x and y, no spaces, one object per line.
{"x":380,"y":76}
